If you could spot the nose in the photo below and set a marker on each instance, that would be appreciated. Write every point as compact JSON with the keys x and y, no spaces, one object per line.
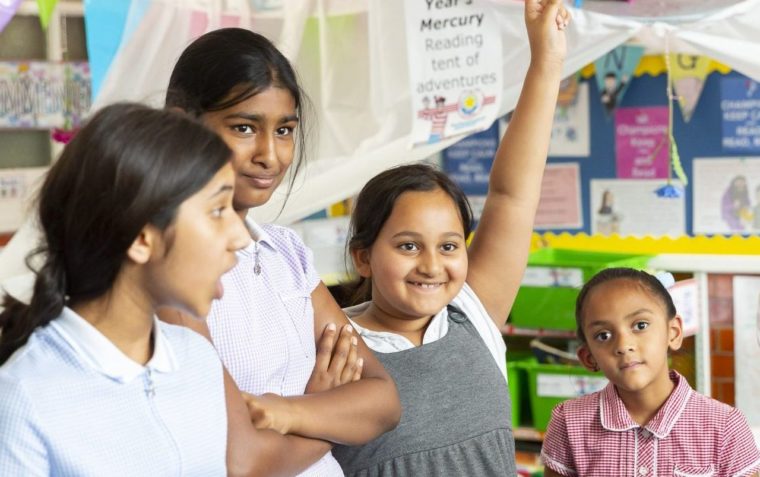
{"x":266,"y":152}
{"x":624,"y":344}
{"x":429,"y":263}
{"x":237,"y":233}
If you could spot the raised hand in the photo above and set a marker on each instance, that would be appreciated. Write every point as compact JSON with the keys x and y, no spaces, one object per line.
{"x":337,"y":361}
{"x":546,"y":21}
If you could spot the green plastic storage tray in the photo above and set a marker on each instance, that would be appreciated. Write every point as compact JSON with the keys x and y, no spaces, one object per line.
{"x":551,"y":384}
{"x":551,"y":284}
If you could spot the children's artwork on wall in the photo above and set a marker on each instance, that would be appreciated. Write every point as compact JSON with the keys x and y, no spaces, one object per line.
{"x":570,"y":132}
{"x":614,"y":72}
{"x":630,"y":207}
{"x":688,"y":73}
{"x":469,"y":161}
{"x":43,"y":95}
{"x":685,"y":294}
{"x":560,"y":204}
{"x":726,"y":195}
{"x":641,"y":142}
{"x":740,"y":105}
{"x":455,"y":74}
{"x":747,"y":347}
{"x":17,"y":186}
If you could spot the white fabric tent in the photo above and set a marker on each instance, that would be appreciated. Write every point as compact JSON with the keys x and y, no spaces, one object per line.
{"x":351,"y":56}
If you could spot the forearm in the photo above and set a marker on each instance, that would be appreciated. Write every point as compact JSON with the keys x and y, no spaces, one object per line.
{"x":351,"y":414}
{"x":252,"y":452}
{"x":521,"y":158}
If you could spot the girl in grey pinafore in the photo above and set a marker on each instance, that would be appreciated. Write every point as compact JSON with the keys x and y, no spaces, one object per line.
{"x":441,"y":433}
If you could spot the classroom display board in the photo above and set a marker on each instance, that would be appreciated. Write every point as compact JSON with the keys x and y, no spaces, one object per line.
{"x":615,"y":184}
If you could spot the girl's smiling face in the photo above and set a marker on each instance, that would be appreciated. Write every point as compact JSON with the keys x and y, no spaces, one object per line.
{"x":628,"y":335}
{"x":260,"y":132}
{"x":419,"y":261}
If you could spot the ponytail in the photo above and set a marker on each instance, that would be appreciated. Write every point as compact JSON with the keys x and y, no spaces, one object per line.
{"x":19,"y":320}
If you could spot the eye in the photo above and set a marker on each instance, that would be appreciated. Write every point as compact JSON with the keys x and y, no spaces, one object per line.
{"x":640,"y":325}
{"x":408,"y":247}
{"x":603,"y":336}
{"x":218,"y":212}
{"x":243,"y":129}
{"x":285,"y":131}
{"x":449,"y":247}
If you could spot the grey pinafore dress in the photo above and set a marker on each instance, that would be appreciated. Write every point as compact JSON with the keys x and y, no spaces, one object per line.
{"x":456,"y":413}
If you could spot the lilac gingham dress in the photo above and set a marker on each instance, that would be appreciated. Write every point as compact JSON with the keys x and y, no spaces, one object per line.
{"x":263,"y":328}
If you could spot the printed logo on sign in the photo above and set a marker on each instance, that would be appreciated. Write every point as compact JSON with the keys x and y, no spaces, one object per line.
{"x":470,"y":103}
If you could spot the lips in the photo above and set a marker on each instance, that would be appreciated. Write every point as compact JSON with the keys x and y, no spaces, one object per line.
{"x":260,"y":181}
{"x":630,"y":365}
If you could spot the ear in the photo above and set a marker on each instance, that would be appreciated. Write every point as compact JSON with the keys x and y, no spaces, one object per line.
{"x":586,"y":358}
{"x":360,"y":257}
{"x":675,"y":333}
{"x":144,"y":245}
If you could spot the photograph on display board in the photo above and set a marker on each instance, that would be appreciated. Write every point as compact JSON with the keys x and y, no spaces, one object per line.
{"x":631,"y":207}
{"x":726,"y":195}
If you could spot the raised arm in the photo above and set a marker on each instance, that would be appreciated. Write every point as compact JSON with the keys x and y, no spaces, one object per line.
{"x":499,"y":250}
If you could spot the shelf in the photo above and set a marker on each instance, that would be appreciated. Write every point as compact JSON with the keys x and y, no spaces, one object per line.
{"x":528,"y":434}
{"x":510,"y":330}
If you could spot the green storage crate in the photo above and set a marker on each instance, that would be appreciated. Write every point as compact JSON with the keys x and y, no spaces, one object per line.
{"x":550,"y":384}
{"x":552,"y":282}
{"x":519,"y":393}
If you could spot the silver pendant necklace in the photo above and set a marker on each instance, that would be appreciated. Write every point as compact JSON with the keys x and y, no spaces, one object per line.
{"x":256,"y":260}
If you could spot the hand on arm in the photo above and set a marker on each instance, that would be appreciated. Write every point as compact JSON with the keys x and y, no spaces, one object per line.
{"x":499,"y":250}
{"x":356,"y":412}
{"x":250,"y":451}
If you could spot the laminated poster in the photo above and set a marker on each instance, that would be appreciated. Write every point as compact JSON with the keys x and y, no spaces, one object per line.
{"x":43,"y":95}
{"x":740,"y":106}
{"x":17,"y":186}
{"x":726,"y":195}
{"x":570,"y":132}
{"x":560,"y":204}
{"x":455,"y":83}
{"x":747,"y":346}
{"x":631,"y":207}
{"x":641,"y":142}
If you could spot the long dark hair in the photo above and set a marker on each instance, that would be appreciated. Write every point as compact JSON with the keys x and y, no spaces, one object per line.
{"x":644,"y":279}
{"x":128,"y":167}
{"x":227,"y":66}
{"x":376,"y":200}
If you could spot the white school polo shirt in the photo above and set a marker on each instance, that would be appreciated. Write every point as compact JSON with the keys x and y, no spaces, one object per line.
{"x":72,"y":404}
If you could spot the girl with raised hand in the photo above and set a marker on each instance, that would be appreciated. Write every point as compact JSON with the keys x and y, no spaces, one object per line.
{"x":435,"y":306}
{"x":135,"y":215}
{"x":275,"y":307}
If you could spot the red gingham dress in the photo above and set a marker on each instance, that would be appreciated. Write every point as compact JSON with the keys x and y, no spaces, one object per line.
{"x":691,"y":435}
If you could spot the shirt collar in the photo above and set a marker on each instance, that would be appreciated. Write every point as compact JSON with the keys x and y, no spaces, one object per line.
{"x":100,"y":353}
{"x":614,"y":416}
{"x":259,"y":235}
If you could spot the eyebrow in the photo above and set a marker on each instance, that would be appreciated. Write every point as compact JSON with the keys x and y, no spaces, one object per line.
{"x":222,"y":189}
{"x":628,"y":316}
{"x":260,"y":117}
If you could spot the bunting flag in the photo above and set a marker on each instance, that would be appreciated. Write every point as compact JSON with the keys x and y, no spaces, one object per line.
{"x":46,"y":8}
{"x":104,"y":22}
{"x":7,"y":10}
{"x":614,"y":72}
{"x":688,"y":73}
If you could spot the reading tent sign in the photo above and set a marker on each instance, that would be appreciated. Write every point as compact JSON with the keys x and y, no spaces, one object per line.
{"x":455,"y":67}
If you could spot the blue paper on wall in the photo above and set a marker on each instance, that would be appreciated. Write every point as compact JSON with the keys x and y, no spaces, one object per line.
{"x":469,"y":161}
{"x":740,"y":107}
